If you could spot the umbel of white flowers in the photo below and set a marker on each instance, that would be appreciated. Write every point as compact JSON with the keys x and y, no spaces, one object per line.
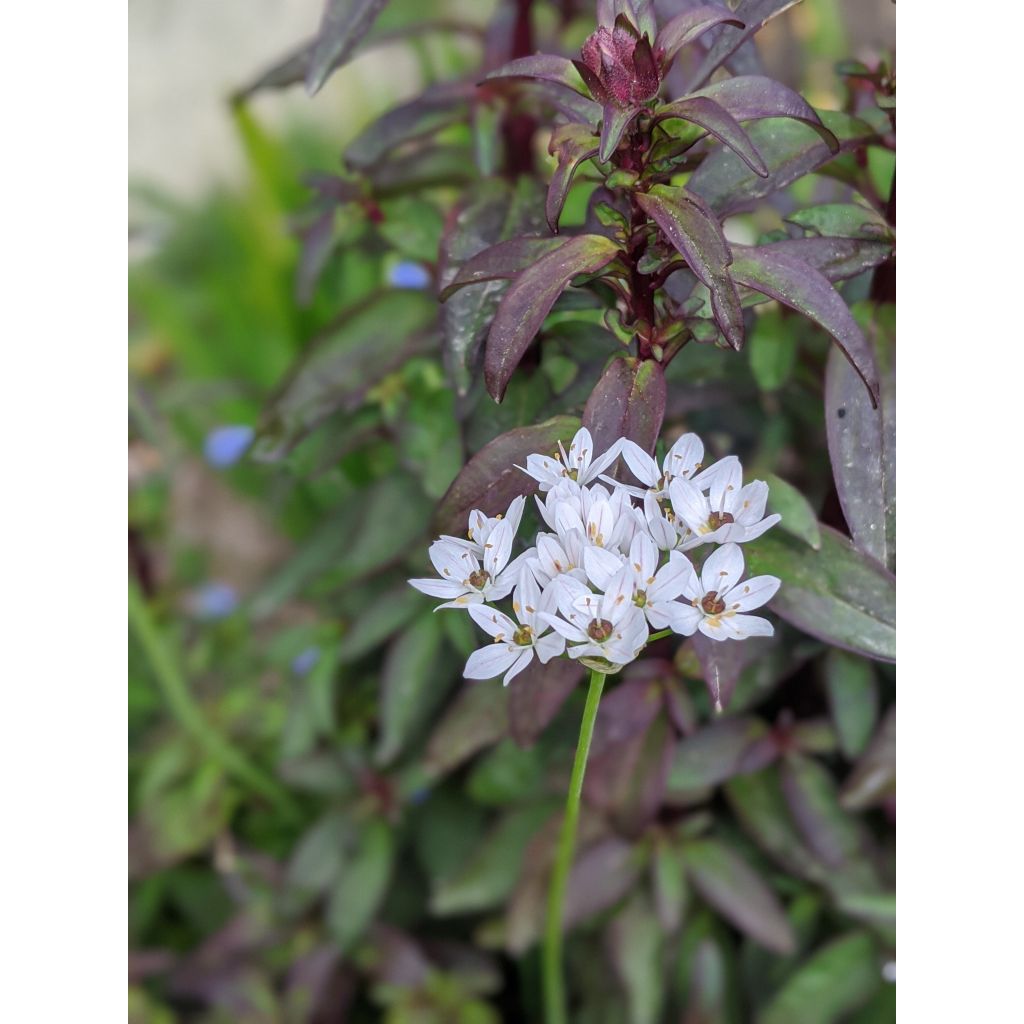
{"x":611,"y":565}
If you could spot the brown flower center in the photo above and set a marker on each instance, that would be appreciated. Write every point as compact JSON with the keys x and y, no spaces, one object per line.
{"x":640,"y":598}
{"x":712,"y":603}
{"x":717,"y":519}
{"x":523,"y":636}
{"x":479,"y":579}
{"x":599,"y":630}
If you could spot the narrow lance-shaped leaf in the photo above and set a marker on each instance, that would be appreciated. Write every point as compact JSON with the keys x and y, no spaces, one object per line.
{"x":686,"y":27}
{"x":862,"y":447}
{"x":852,"y":698}
{"x":802,"y":288}
{"x":836,"y":594}
{"x":536,"y":695}
{"x":544,"y":66}
{"x":501,"y":262}
{"x":342,"y":27}
{"x":842,"y":220}
{"x":836,"y":258}
{"x":798,"y":517}
{"x":715,"y":119}
{"x":629,"y":401}
{"x":570,"y":144}
{"x":529,"y":300}
{"x":873,"y":778}
{"x":694,"y":231}
{"x":491,"y":478}
{"x":614,"y":122}
{"x":754,"y":97}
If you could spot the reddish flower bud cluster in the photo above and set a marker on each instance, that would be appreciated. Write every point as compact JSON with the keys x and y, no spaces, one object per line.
{"x":619,"y":67}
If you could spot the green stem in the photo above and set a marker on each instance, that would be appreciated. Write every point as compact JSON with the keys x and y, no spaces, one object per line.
{"x":554,"y":981}
{"x":188,"y":713}
{"x":659,"y":636}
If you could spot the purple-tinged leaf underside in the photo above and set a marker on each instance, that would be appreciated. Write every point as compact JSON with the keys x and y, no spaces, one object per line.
{"x":342,"y":28}
{"x":529,"y":299}
{"x":536,"y":694}
{"x":722,"y":664}
{"x":873,"y":778}
{"x":842,"y":220}
{"x":694,"y":231}
{"x":686,"y":27}
{"x":547,"y":67}
{"x":570,"y":144}
{"x":790,"y":149}
{"x":835,"y":258}
{"x":862,"y":447}
{"x":568,"y":102}
{"x":614,"y":122}
{"x":628,"y":401}
{"x":491,"y":478}
{"x":801,"y":287}
{"x":502,"y":261}
{"x":717,"y":121}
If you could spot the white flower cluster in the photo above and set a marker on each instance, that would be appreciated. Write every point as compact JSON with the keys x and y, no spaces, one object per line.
{"x":609,"y":570}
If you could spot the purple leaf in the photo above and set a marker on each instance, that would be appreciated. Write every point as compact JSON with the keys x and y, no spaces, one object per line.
{"x":790,"y":148}
{"x":694,"y":230}
{"x":873,"y":779}
{"x":717,"y":753}
{"x":723,"y":661}
{"x":719,"y":122}
{"x":570,"y":144}
{"x":536,"y":695}
{"x":342,"y":28}
{"x":476,"y":719}
{"x":835,"y":258}
{"x":545,"y":66}
{"x":852,"y":698}
{"x":614,"y":122}
{"x":529,"y":299}
{"x":836,"y":594}
{"x":725,"y":881}
{"x":802,"y":288}
{"x":752,"y":14}
{"x":491,"y":479}
{"x":686,"y":27}
{"x":753,"y":97}
{"x":862,"y":445}
{"x":501,"y":262}
{"x":568,"y":102}
{"x":629,"y":401}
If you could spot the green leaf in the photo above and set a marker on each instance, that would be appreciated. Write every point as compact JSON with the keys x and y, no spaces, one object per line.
{"x":873,"y":778}
{"x":344,"y":24}
{"x":362,"y":885}
{"x":725,"y":881}
{"x":570,"y":145}
{"x":837,"y":979}
{"x":798,"y":517}
{"x":476,"y":719}
{"x":836,"y":594}
{"x":412,"y":686}
{"x":717,"y":121}
{"x":852,"y":699}
{"x":529,"y":299}
{"x":501,"y":261}
{"x":634,"y":946}
{"x":629,"y":401}
{"x":507,"y":774}
{"x":319,"y":856}
{"x":412,"y":226}
{"x":378,"y":621}
{"x":493,"y":868}
{"x":491,"y":479}
{"x":668,"y":876}
{"x":771,"y":348}
{"x":842,"y":220}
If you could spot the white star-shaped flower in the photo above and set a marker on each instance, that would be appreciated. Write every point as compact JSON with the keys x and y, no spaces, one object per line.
{"x":719,"y":599}
{"x":481,"y":526}
{"x":577,"y":465}
{"x":464,"y":581}
{"x":514,"y":645}
{"x":683,"y":460}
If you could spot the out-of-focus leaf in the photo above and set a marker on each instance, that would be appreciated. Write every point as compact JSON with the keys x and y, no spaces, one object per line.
{"x":501,"y":262}
{"x":411,"y":685}
{"x":723,"y":661}
{"x":790,"y":148}
{"x":335,"y":372}
{"x":693,"y":229}
{"x":684,"y":28}
{"x":852,"y":699}
{"x":507,"y":774}
{"x":491,"y":213}
{"x":536,"y":694}
{"x":362,"y":884}
{"x":716,"y":753}
{"x":629,"y":401}
{"x":634,"y":944}
{"x":319,"y":855}
{"x":862,"y":446}
{"x":477,"y":718}
{"x":529,"y":299}
{"x":771,"y":347}
{"x":544,"y":66}
{"x":342,"y":28}
{"x":835,"y":258}
{"x":490,"y":480}
{"x":494,"y":866}
{"x":570,"y":144}
{"x":838,"y":978}
{"x":435,"y":108}
{"x":751,"y":14}
{"x":668,"y":876}
{"x":836,"y":594}
{"x":842,"y":220}
{"x":873,"y":778}
{"x":379,"y":620}
{"x":802,"y":288}
{"x":412,"y":226}
{"x":707,"y":1000}
{"x":731,"y":886}
{"x":754,"y":97}
{"x":717,"y":121}
{"x":426,"y":164}
{"x":798,"y":517}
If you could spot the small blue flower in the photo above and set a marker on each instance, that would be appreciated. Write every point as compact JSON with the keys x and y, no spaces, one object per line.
{"x":419,"y":796}
{"x":409,"y":275}
{"x":224,"y":446}
{"x":304,"y":661}
{"x":215,"y":600}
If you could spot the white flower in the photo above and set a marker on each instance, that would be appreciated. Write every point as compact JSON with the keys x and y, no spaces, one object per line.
{"x":463,"y":580}
{"x":481,"y":526}
{"x":682,"y":460}
{"x":728,"y":513}
{"x":515,"y":646}
{"x":608,"y":625}
{"x":578,"y":465}
{"x":666,"y":530}
{"x":564,"y":492}
{"x":718,"y":599}
{"x":655,"y":590}
{"x":556,"y":554}
{"x":606,"y":519}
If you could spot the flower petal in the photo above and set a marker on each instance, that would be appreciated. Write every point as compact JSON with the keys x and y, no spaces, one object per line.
{"x":641,"y":465}
{"x":549,"y":646}
{"x":602,"y":462}
{"x":496,"y":623}
{"x":752,"y":501}
{"x":714,"y":628}
{"x":691,"y":584}
{"x":753,"y":593}
{"x":643,"y":558}
{"x":742,"y":626}
{"x":689,"y":504}
{"x":490,"y":661}
{"x":526,"y":600}
{"x":514,"y":515}
{"x":518,"y":665}
{"x":671,"y":579}
{"x":581,"y":451}
{"x":685,"y":618}
{"x":722,"y":570}
{"x":452,"y":561}
{"x":600,"y":565}
{"x":684,"y":456}
{"x":563,"y":628}
{"x":498,"y":548}
{"x":438,"y":588}
{"x":463,"y":601}
{"x":618,"y":596}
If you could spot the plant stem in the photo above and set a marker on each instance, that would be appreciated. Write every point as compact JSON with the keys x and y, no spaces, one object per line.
{"x":554,"y":980}
{"x":188,"y":713}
